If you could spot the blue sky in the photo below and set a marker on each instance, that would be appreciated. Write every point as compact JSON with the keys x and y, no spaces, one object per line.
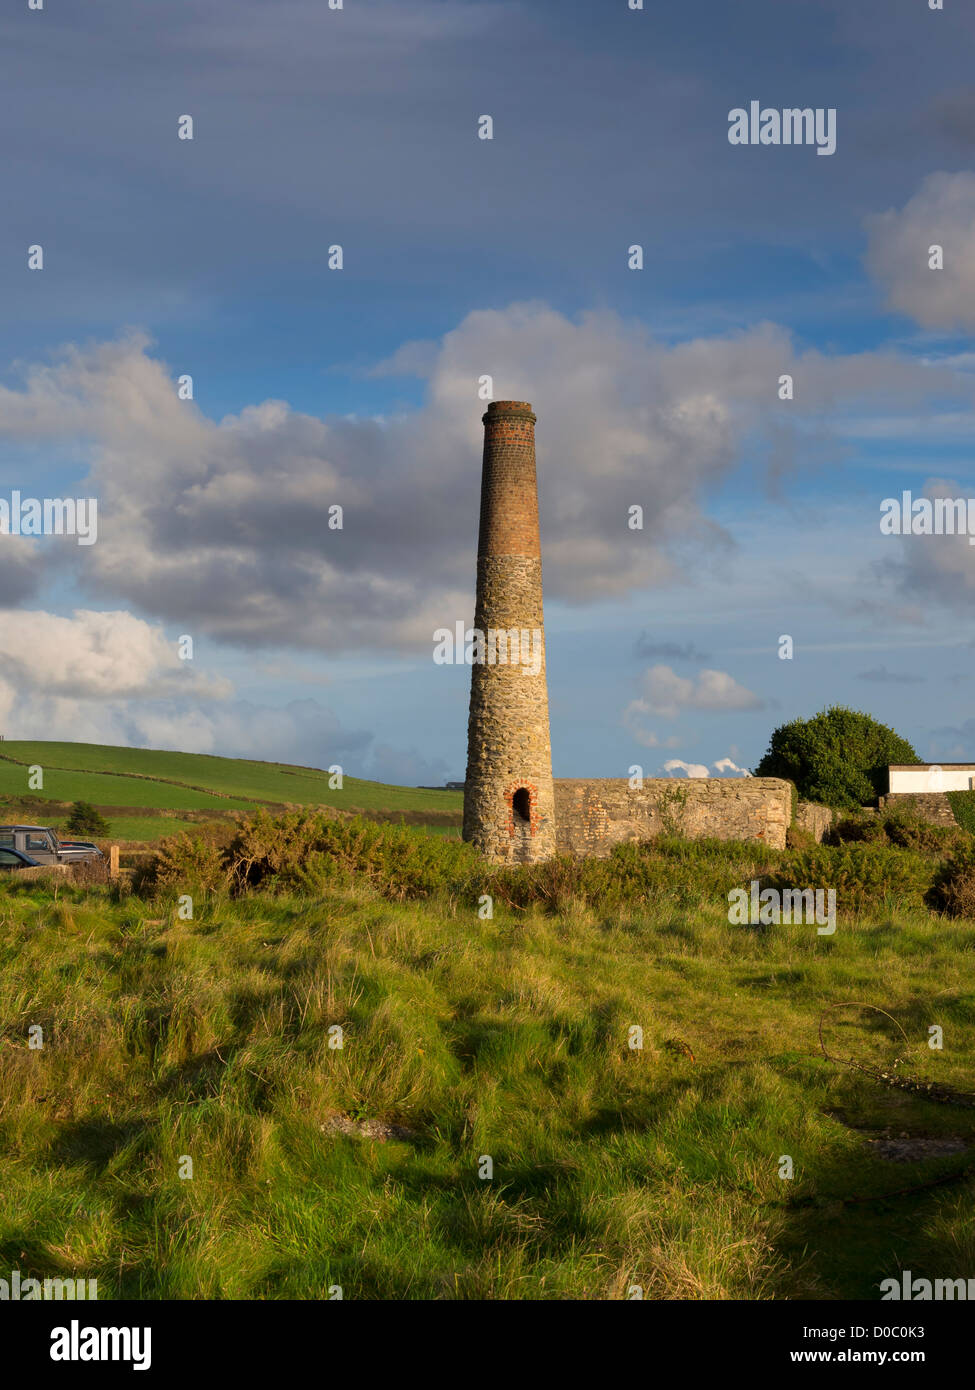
{"x":462,"y":257}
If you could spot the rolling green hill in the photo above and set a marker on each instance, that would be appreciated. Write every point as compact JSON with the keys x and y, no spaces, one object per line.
{"x":153,"y":781}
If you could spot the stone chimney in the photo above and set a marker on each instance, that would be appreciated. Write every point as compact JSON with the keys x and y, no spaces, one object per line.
{"x":509,"y":801}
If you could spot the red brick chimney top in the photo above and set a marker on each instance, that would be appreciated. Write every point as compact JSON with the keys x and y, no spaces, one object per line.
{"x":519,"y":410}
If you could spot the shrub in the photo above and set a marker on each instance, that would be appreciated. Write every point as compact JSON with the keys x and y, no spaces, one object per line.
{"x":187,"y":863}
{"x":312,"y":851}
{"x":839,"y":757}
{"x":907,"y":829}
{"x":634,"y":874}
{"x":953,"y":888}
{"x":86,"y":820}
{"x":861,"y":829}
{"x":963,"y":806}
{"x":862,"y":874}
{"x":901,"y":826}
{"x":315,"y":850}
{"x":88,"y":872}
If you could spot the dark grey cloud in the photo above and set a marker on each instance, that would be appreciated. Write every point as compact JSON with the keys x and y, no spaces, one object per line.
{"x":881,"y":676}
{"x":647,"y":650}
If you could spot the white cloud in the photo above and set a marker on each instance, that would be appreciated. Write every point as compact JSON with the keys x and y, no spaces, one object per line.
{"x":636,"y":712}
{"x":96,"y":656}
{"x":689,"y":769}
{"x":666,"y":694}
{"x":726,"y":765}
{"x":112,"y":678}
{"x":941,"y":212}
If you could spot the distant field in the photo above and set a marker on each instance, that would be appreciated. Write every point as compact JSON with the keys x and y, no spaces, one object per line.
{"x":105,"y":790}
{"x":141,"y":828}
{"x":136,"y":777}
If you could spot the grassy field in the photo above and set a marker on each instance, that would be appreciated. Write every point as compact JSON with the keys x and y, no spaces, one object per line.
{"x":504,"y":1037}
{"x":134,"y":779}
{"x":137,"y":829}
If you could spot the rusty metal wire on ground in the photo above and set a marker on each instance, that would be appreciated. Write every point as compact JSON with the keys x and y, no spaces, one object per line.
{"x":926,"y":1090}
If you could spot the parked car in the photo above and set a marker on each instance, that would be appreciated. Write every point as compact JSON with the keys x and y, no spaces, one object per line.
{"x":13,"y":859}
{"x":41,"y":844}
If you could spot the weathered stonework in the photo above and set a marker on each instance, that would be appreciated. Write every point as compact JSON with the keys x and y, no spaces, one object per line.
{"x":513,"y":811}
{"x":933,"y":807}
{"x":509,"y":804}
{"x":593,"y":816}
{"x":814,"y":818}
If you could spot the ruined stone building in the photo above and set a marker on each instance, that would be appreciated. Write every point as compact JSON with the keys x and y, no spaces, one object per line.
{"x":513,"y":810}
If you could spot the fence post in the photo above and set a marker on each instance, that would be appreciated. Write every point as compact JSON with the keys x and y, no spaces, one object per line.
{"x":113,"y":862}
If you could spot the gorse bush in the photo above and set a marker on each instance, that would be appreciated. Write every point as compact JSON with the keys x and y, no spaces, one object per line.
{"x":901,"y":826}
{"x":317,"y":853}
{"x":863,"y":875}
{"x":188,"y":862}
{"x":908,"y":830}
{"x":860,"y":829}
{"x":963,"y":805}
{"x":312,"y":851}
{"x":839,"y":757}
{"x":953,"y":887}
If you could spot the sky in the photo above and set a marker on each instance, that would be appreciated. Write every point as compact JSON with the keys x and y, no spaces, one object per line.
{"x":316,"y":386}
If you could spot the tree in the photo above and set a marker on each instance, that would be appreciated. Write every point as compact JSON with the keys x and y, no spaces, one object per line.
{"x":839,"y":757}
{"x":85,"y":820}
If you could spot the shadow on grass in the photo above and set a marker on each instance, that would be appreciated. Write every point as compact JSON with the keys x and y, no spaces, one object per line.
{"x":856,"y":1219}
{"x":93,"y":1143}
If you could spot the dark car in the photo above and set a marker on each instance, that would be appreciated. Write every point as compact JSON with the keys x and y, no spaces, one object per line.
{"x":14,"y":859}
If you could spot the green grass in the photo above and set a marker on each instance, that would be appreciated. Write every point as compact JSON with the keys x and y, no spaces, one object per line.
{"x":504,"y":1037}
{"x":145,"y":829}
{"x":153,"y":778}
{"x":102,"y":789}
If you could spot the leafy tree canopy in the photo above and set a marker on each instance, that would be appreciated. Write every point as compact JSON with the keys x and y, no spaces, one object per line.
{"x":839,"y":757}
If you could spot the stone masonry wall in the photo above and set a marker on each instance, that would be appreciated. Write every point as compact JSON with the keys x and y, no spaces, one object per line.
{"x":814,"y":818}
{"x":593,"y":816}
{"x":933,"y":807}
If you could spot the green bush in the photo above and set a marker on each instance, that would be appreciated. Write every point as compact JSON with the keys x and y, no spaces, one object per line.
{"x":313,"y":851}
{"x":953,"y":887}
{"x":862,"y":874}
{"x":185,"y":862}
{"x":904,"y":827}
{"x":857,"y":830}
{"x":798,"y":838}
{"x":907,"y":829}
{"x":839,"y":757}
{"x":963,"y":806}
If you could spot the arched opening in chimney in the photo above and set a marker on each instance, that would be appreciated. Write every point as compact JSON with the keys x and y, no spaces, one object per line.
{"x":521,"y":805}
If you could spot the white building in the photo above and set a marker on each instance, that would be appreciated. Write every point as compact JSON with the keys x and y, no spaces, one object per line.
{"x":931,"y":777}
